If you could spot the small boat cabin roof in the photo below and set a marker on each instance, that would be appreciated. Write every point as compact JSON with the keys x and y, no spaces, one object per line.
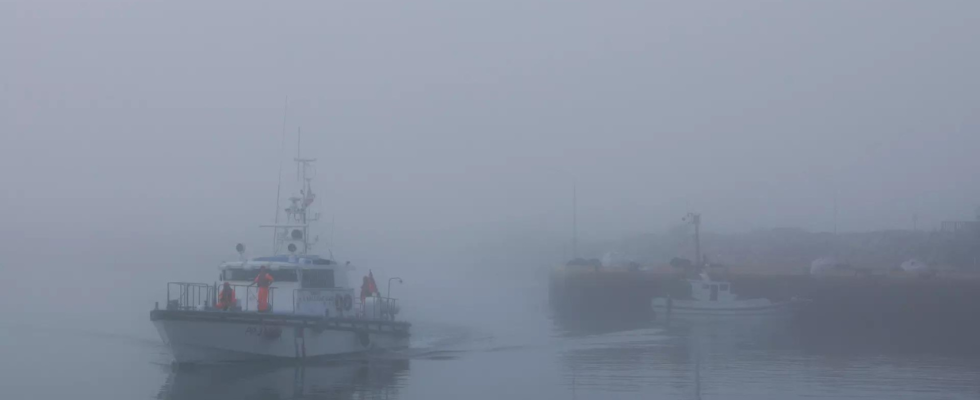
{"x":286,"y":262}
{"x":711,"y":290}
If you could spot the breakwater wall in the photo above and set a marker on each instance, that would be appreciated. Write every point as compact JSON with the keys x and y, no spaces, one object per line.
{"x":885,"y":307}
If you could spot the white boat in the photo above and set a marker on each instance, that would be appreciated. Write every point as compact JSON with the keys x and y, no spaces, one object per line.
{"x":712,"y":298}
{"x":313,"y":310}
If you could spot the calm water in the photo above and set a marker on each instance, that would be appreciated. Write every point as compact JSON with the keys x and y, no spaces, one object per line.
{"x":490,"y":344}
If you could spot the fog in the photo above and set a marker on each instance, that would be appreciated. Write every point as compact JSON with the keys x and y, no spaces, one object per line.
{"x":139,"y":141}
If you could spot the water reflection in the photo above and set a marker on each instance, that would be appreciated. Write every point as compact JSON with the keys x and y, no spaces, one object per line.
{"x":756,"y":358}
{"x":336,"y":379}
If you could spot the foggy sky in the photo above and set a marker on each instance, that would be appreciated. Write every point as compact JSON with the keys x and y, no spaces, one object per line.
{"x":447,"y":125}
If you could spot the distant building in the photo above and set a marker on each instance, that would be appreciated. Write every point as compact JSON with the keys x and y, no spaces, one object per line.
{"x":961,"y":227}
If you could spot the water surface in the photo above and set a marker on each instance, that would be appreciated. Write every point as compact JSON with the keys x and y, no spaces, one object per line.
{"x":484,"y":345}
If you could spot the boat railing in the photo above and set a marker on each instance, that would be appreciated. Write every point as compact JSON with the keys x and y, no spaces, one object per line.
{"x":251,"y":292}
{"x":340,"y":302}
{"x":189,"y":296}
{"x":203,"y":296}
{"x":385,"y":308}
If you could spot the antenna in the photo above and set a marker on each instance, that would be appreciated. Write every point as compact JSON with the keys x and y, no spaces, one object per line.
{"x":282,"y":147}
{"x":294,"y":232}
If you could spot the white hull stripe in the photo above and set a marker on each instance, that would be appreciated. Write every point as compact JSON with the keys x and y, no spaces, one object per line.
{"x":340,"y":324}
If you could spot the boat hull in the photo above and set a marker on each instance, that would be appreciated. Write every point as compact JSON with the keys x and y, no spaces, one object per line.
{"x":703,"y":309}
{"x":202,"y":337}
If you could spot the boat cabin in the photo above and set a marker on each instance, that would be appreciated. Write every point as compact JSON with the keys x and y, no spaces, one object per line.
{"x":711,"y":290}
{"x":305,"y":284}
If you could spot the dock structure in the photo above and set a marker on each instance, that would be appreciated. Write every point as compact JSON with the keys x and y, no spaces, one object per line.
{"x":888,"y":305}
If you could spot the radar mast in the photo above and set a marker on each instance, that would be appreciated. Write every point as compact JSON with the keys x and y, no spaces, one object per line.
{"x":293,"y":235}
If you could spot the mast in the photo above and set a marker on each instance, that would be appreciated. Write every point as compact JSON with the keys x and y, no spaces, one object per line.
{"x":282,"y":146}
{"x":293,"y":235}
{"x":835,"y":212}
{"x":836,"y":240}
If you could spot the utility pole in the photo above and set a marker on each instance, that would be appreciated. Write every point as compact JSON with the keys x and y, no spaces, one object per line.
{"x":574,"y":221}
{"x":835,"y":213}
{"x":696,"y":220}
{"x":835,"y":239}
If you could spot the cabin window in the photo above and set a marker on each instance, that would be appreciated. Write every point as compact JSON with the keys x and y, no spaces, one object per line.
{"x":724,"y":287}
{"x":317,"y":279}
{"x":239,"y":274}
{"x":248,"y":275}
{"x":284,"y":275}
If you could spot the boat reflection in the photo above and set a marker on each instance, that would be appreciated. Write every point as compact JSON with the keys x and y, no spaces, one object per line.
{"x":750,"y":358}
{"x":336,"y":379}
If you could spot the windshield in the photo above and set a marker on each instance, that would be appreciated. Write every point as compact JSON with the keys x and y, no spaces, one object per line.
{"x":317,"y":279}
{"x":248,"y":275}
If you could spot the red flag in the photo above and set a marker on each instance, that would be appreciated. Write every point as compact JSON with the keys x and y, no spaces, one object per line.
{"x":373,"y":288}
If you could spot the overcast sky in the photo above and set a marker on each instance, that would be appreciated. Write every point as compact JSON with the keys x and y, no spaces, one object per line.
{"x":439,"y":124}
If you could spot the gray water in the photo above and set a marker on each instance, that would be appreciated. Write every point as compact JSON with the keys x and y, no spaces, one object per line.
{"x":492,"y":342}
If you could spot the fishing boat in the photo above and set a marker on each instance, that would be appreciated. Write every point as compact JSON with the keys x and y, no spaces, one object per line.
{"x":310,"y":309}
{"x":714,"y":298}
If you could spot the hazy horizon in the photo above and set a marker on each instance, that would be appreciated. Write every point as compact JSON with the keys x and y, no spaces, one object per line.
{"x":140,"y":141}
{"x":439,"y":125}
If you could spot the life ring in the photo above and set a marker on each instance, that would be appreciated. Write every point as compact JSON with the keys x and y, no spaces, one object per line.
{"x":348,"y":302}
{"x":338,"y":302}
{"x":364,"y":338}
